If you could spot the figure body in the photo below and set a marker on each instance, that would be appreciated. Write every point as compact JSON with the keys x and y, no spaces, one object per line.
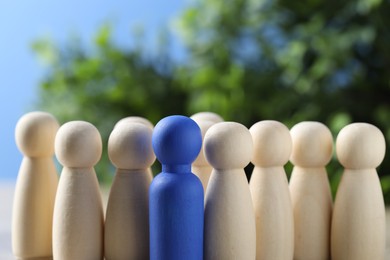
{"x":36,"y":187}
{"x":176,"y":195}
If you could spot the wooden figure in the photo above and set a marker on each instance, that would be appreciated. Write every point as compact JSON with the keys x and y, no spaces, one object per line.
{"x":135,"y":119}
{"x":310,"y":190}
{"x":207,"y":116}
{"x":140,"y":120}
{"x":230,"y":229}
{"x":270,"y":192}
{"x":127,"y":218}
{"x":201,"y":167}
{"x":36,"y":187}
{"x":78,"y":213}
{"x":358,"y":224}
{"x":176,"y":203}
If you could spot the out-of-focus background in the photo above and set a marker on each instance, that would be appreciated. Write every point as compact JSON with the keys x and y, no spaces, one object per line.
{"x":28,"y":28}
{"x":246,"y":60}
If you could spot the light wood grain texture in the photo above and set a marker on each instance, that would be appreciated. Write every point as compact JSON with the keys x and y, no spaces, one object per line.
{"x":200,"y":167}
{"x":35,"y":187}
{"x":270,"y":192}
{"x":230,"y":229}
{"x":78,"y":222}
{"x":207,"y":116}
{"x":359,"y":224}
{"x":310,"y":190}
{"x":135,"y":119}
{"x":126,"y":233}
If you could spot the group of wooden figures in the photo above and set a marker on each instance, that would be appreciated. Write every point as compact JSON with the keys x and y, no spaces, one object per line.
{"x":200,"y":206}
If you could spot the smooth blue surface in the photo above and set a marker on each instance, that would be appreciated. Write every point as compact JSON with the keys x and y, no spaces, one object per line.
{"x":176,"y":140}
{"x":176,"y":209}
{"x":22,"y":22}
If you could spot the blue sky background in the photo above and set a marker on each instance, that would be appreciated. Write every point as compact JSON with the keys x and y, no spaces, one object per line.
{"x":22,"y":22}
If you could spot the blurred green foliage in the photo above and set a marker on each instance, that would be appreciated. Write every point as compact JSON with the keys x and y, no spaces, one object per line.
{"x":247,"y":60}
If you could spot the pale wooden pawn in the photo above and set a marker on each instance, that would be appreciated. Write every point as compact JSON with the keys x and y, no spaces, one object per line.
{"x":230,"y":229}
{"x":200,"y":167}
{"x":140,"y":120}
{"x":135,"y":119}
{"x":359,"y":222}
{"x":78,"y":222}
{"x":207,"y":116}
{"x":270,"y":192}
{"x":310,"y":190}
{"x":36,"y":187}
{"x":127,"y":216}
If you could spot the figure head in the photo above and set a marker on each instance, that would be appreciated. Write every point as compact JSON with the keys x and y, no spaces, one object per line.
{"x":35,"y":133}
{"x":312,"y":144}
{"x":228,"y":145}
{"x":78,"y":145}
{"x":272,"y":143}
{"x":130,"y":146}
{"x":176,"y":140}
{"x":360,"y":146}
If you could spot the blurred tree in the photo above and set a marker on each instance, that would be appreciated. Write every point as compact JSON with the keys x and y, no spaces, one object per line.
{"x":291,"y":61}
{"x":246,"y":60}
{"x":107,"y":84}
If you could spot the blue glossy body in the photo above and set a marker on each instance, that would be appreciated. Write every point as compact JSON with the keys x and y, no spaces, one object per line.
{"x":176,"y":199}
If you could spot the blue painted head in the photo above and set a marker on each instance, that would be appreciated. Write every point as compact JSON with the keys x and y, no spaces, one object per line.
{"x":176,"y":140}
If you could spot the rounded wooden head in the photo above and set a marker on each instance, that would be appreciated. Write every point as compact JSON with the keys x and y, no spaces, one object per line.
{"x":201,"y":159}
{"x":78,"y":145}
{"x":135,"y":119}
{"x":272,"y":143}
{"x":176,"y":140}
{"x":35,"y":133}
{"x":207,"y":116}
{"x":130,"y":146}
{"x":360,"y":146}
{"x":228,"y":145}
{"x":312,"y":144}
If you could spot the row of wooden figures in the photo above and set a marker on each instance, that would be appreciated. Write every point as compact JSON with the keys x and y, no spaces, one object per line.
{"x":217,"y":216}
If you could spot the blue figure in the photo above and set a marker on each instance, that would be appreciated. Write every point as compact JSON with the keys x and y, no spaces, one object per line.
{"x":176,"y":204}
